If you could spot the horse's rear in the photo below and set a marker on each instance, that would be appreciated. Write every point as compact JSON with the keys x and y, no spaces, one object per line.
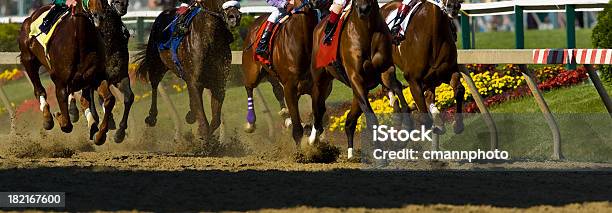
{"x":75,"y":61}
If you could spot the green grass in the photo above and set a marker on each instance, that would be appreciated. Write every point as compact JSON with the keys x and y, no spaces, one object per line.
{"x":533,"y":39}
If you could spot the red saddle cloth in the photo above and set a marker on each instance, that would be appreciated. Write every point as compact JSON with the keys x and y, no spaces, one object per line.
{"x":267,"y":60}
{"x":328,"y":54}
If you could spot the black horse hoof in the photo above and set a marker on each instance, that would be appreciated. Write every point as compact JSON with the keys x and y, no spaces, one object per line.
{"x":190,"y":117}
{"x":119,"y":135}
{"x":92,"y":131}
{"x":151,"y":121}
{"x":48,"y":125}
{"x":100,"y":139}
{"x":67,"y":128}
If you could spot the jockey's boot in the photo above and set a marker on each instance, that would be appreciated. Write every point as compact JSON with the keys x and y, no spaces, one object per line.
{"x":330,"y":28}
{"x":402,"y":12}
{"x":54,"y":13}
{"x":262,"y":47}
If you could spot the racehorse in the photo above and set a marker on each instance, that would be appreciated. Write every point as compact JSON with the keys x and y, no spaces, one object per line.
{"x":205,"y":56}
{"x":75,"y":61}
{"x":290,"y":63}
{"x":116,"y":37}
{"x":428,"y":56}
{"x":364,"y":62}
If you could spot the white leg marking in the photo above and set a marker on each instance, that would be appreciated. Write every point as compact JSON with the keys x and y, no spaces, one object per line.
{"x":90,"y":118}
{"x":350,"y":153}
{"x":391,"y":98}
{"x":313,"y":135}
{"x":433,"y":109}
{"x":43,"y":103}
{"x":288,"y":122}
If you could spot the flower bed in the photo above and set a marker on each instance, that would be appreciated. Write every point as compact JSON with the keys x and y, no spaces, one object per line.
{"x":495,"y":83}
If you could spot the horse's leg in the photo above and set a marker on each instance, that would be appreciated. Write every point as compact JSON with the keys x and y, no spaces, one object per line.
{"x":277,"y":88}
{"x":419,"y":98}
{"x":63,"y":118}
{"x":251,"y":80}
{"x":459,"y":93}
{"x":390,"y":81}
{"x":292,"y":99}
{"x":90,"y":112}
{"x":128,"y":100}
{"x":351,"y":124}
{"x":216,"y":102}
{"x":430,"y":100}
{"x":109,"y":104}
{"x":31,"y":66}
{"x":151,"y":120}
{"x":321,"y":89}
{"x":72,"y":108}
{"x":197,"y":107}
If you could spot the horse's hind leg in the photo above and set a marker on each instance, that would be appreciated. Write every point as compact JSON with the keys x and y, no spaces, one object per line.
{"x":251,"y":80}
{"x":151,"y":120}
{"x":73,"y":111}
{"x":90,"y":112}
{"x":390,"y":81}
{"x":277,"y":88}
{"x":351,"y":124}
{"x":430,"y":100}
{"x":216,"y":103}
{"x":322,"y":85}
{"x":31,"y":66}
{"x":459,"y":93}
{"x":292,"y":98}
{"x":419,"y":98}
{"x":197,"y":107}
{"x":109,"y":104}
{"x":128,"y":100}
{"x":63,"y":117}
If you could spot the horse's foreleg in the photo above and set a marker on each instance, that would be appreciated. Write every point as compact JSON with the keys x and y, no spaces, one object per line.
{"x":151,"y":120}
{"x":63,"y":118}
{"x":109,"y":104}
{"x":277,"y":88}
{"x":251,"y":80}
{"x":216,"y":103}
{"x":197,"y":107}
{"x":291,"y":96}
{"x":459,"y":93}
{"x":31,"y":66}
{"x":419,"y":98}
{"x":390,"y":81}
{"x":430,"y":100}
{"x":321,"y":89}
{"x":351,"y":124}
{"x":128,"y":100}
{"x":90,"y":111}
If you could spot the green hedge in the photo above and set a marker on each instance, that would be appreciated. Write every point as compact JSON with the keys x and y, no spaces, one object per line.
{"x":241,"y":31}
{"x":9,"y":33}
{"x":602,"y":38}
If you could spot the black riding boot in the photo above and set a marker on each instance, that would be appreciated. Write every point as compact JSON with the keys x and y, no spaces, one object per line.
{"x":330,"y":29}
{"x":51,"y":17}
{"x":395,"y":30}
{"x":262,"y":47}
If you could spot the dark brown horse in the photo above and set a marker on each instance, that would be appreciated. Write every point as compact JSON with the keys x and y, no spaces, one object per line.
{"x":365,"y":62}
{"x":75,"y":62}
{"x":428,"y":56}
{"x":291,"y":51}
{"x":205,"y":57}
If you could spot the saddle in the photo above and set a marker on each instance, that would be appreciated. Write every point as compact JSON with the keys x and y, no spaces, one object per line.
{"x":328,"y":54}
{"x":174,"y":34}
{"x":266,"y":59}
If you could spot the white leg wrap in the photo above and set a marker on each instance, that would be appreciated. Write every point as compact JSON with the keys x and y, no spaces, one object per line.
{"x":350,"y":153}
{"x":90,"y":118}
{"x":313,"y":135}
{"x":43,"y":103}
{"x":391,"y":98}
{"x":433,"y":109}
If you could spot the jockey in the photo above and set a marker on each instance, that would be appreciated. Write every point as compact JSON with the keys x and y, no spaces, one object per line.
{"x":59,"y":7}
{"x":280,"y":7}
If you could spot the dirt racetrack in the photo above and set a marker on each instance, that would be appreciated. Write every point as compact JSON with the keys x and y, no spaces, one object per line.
{"x":111,"y":181}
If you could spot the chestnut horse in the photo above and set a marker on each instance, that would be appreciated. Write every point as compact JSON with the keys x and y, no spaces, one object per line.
{"x":428,"y":57}
{"x":205,"y":56}
{"x":291,"y":50}
{"x":75,"y":62}
{"x":364,"y":63}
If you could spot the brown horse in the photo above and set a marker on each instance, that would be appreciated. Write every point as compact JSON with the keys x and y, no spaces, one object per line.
{"x":364,"y":63}
{"x":428,"y":57}
{"x":205,"y":56}
{"x":75,"y":62}
{"x":291,"y":50}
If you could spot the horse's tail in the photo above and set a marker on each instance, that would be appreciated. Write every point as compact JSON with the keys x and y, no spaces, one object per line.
{"x":148,"y":60}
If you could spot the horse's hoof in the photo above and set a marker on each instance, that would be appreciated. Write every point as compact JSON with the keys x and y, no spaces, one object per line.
{"x":93,"y":130}
{"x":249,"y":128}
{"x":151,"y":121}
{"x":119,"y":135}
{"x":458,"y":127}
{"x":48,"y":125}
{"x":67,"y":128}
{"x":100,"y":138}
{"x":73,"y":111}
{"x":190,"y":118}
{"x":288,"y":122}
{"x":111,"y":123}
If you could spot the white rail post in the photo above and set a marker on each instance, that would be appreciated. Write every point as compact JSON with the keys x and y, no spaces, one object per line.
{"x":550,"y":119}
{"x":482,"y":107}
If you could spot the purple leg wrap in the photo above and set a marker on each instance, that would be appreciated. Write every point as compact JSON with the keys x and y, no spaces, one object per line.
{"x":251,"y":112}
